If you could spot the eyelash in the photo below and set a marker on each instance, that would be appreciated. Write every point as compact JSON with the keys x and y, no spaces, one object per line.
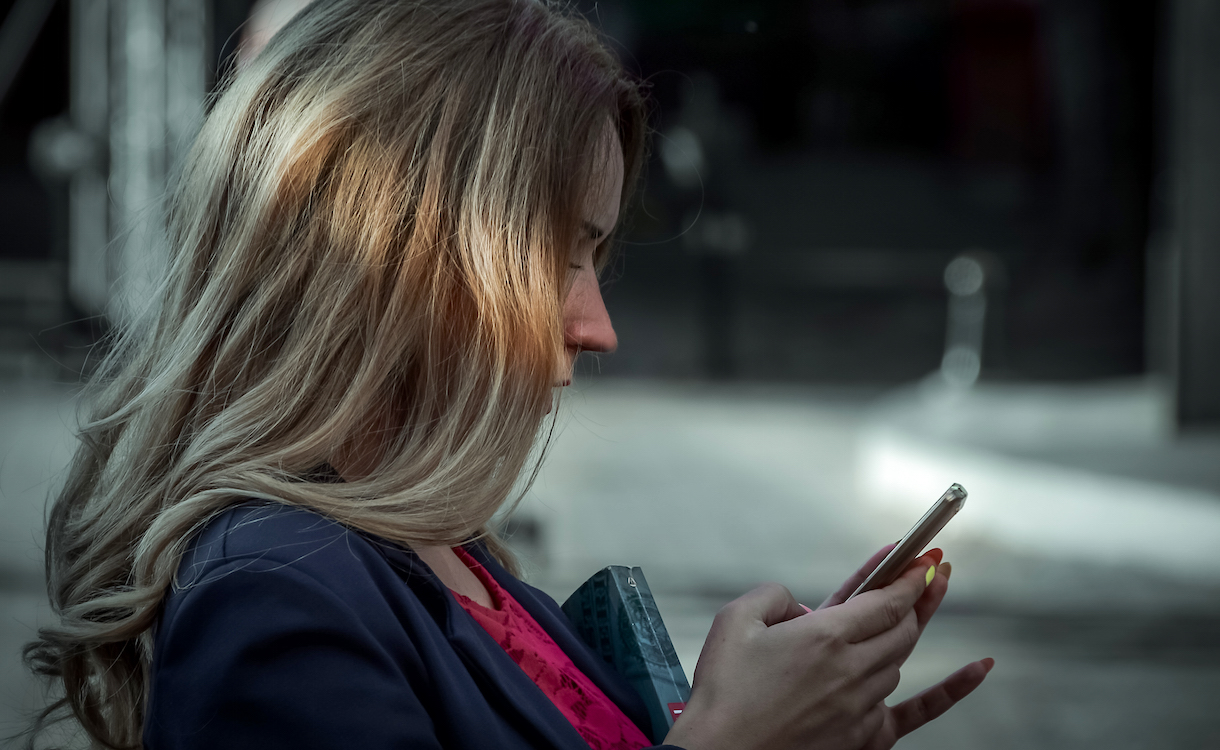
{"x":596,"y":235}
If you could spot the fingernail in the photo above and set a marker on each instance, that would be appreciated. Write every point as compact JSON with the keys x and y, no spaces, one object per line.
{"x":931,"y":574}
{"x":947,"y":569}
{"x":807,"y":610}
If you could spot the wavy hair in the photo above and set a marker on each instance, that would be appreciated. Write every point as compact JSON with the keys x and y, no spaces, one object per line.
{"x":371,"y":234}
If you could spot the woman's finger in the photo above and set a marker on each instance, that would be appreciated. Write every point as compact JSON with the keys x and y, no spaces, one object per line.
{"x":913,"y":713}
{"x":925,"y":607}
{"x":879,"y":610}
{"x":890,"y":648}
{"x":930,"y":601}
{"x":851,"y":584}
{"x":873,"y":724}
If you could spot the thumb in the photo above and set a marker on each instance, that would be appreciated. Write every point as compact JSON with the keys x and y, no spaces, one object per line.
{"x":769,"y":604}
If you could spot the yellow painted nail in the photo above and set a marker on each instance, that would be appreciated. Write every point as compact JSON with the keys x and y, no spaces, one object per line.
{"x":931,"y":574}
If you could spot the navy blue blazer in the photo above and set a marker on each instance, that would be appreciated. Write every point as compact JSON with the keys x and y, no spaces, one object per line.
{"x":289,"y":630}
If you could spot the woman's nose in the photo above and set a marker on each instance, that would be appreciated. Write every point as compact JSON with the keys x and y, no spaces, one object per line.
{"x":586,"y":323}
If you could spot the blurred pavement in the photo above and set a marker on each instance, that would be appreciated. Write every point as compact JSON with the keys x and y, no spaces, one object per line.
{"x":1085,"y":560}
{"x":1081,"y":561}
{"x":36,"y":444}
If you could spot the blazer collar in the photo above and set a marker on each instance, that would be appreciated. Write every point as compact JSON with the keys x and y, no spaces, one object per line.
{"x":557,"y":625}
{"x":486,"y":660}
{"x":486,"y":657}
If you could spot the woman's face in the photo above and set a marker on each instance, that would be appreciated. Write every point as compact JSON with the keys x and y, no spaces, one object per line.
{"x":586,"y":324}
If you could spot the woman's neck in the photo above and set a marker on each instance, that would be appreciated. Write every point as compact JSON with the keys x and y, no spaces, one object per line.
{"x":357,"y":463}
{"x":453,"y":573}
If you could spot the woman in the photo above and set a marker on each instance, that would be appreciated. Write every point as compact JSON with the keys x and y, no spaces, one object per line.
{"x":277,"y":530}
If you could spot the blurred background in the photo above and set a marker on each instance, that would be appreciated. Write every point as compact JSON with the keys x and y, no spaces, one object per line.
{"x":882,"y":246}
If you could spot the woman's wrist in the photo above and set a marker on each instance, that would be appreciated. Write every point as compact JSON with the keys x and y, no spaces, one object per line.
{"x":695,"y":730}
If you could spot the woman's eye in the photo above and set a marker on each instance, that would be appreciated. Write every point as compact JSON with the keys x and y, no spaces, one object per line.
{"x":593,"y":232}
{"x":575,"y":266}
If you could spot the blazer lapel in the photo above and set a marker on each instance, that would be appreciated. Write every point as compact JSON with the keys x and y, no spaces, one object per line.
{"x":556,"y":624}
{"x":481,"y":654}
{"x":503,"y":680}
{"x":488,"y":661}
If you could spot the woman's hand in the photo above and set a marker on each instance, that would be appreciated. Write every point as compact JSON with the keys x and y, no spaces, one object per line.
{"x":914,"y":712}
{"x":928,"y":602}
{"x":772,"y":677}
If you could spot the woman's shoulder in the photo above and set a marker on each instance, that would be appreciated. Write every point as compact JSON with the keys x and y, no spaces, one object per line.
{"x":277,"y":538}
{"x":286,"y":628}
{"x":262,"y":572}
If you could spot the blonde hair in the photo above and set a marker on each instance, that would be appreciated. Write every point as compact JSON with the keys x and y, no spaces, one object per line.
{"x":372,"y":232}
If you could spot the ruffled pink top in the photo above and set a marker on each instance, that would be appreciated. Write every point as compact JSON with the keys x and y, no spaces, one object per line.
{"x":598,"y":719}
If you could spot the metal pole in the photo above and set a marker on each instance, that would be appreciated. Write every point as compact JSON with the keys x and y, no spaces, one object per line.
{"x":138,"y":152}
{"x":187,"y":27}
{"x":1194,"y":252}
{"x":89,"y":277}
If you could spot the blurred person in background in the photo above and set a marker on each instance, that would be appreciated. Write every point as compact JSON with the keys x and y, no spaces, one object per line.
{"x":278,"y":528}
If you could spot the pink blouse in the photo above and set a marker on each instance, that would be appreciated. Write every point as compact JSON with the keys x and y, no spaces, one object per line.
{"x":600,"y":722}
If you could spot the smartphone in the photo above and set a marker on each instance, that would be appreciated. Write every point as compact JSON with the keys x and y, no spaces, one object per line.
{"x":915,"y":541}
